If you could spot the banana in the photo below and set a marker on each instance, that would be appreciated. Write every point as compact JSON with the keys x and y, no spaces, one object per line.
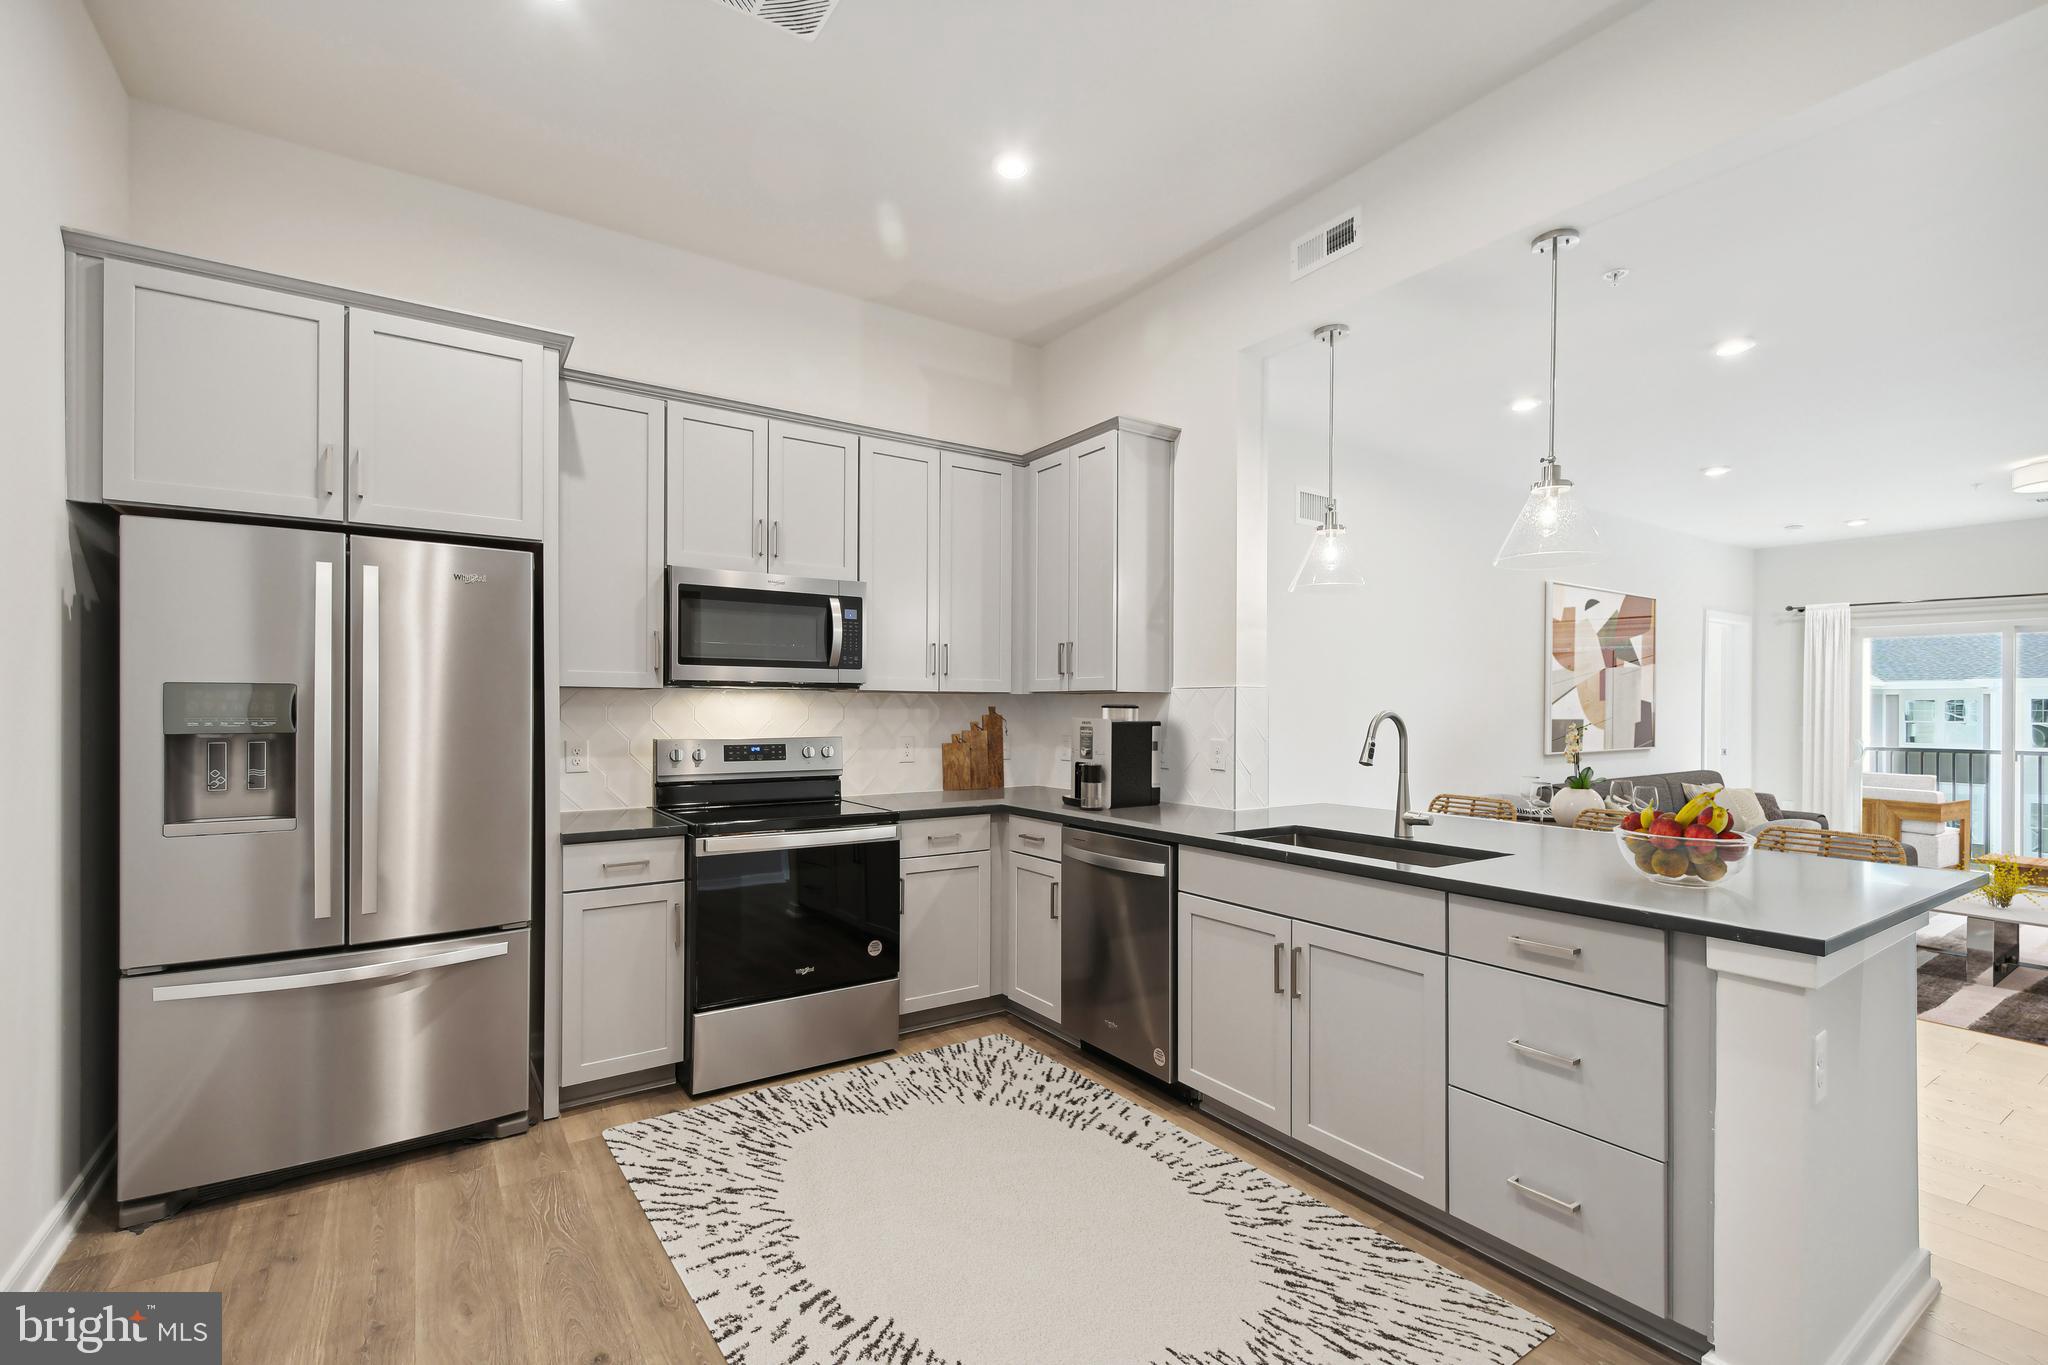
{"x":1690,"y":811}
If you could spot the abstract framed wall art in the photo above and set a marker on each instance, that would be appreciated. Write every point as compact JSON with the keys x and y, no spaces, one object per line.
{"x":1600,"y":668}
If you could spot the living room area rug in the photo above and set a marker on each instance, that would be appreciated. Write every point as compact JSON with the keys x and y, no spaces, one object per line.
{"x":981,"y":1203}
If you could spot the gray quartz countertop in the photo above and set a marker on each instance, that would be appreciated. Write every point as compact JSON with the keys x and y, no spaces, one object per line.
{"x":1781,"y":900}
{"x":632,"y":822}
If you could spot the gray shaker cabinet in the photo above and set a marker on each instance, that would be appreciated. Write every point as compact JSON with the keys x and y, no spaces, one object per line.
{"x":1234,"y":1008}
{"x":444,"y":427}
{"x":1368,"y":1034}
{"x":622,"y":980}
{"x":1034,"y":930}
{"x":945,"y":935}
{"x":611,"y":538}
{"x":219,"y":395}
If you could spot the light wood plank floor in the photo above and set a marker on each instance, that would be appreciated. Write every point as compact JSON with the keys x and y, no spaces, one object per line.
{"x":533,"y":1249}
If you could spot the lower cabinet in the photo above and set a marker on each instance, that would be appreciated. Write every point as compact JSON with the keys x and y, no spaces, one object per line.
{"x":945,"y":938}
{"x":1335,"y":1039}
{"x":1034,"y":924}
{"x":622,"y":980}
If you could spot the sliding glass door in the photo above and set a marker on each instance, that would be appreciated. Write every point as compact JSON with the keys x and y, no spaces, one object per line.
{"x":1967,"y":706}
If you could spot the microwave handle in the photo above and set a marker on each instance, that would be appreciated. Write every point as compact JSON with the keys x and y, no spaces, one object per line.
{"x":838,"y":633}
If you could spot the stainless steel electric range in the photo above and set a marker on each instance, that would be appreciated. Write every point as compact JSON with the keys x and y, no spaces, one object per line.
{"x":793,"y":908}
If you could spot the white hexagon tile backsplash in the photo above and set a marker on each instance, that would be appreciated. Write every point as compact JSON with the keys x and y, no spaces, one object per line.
{"x":619,"y":728}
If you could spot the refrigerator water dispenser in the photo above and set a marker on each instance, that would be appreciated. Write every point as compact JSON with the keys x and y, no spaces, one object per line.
{"x":230,"y":755}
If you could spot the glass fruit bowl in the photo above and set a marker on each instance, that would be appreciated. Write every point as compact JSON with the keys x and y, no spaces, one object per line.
{"x":1684,"y":859}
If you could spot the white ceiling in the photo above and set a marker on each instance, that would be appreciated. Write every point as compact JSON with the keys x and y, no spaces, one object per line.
{"x":860,"y":161}
{"x":1889,"y":266}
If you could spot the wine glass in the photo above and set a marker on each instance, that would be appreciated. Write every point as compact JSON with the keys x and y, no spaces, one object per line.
{"x":1621,"y":794}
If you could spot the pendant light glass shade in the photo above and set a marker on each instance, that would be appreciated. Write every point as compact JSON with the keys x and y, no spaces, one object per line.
{"x":1331,"y":560}
{"x":1553,"y":531}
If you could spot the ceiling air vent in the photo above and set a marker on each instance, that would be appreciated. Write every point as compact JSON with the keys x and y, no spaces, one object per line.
{"x":1338,"y":237}
{"x":802,"y":17}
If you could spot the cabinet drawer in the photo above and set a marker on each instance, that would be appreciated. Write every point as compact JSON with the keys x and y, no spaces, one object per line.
{"x":1358,"y":905}
{"x":1587,"y":1060}
{"x":953,"y":834}
{"x":621,"y":862}
{"x":1039,"y":838}
{"x":1586,"y":1207}
{"x":1626,"y":959}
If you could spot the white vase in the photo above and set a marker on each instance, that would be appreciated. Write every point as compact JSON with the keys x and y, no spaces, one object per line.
{"x":1567,"y":804}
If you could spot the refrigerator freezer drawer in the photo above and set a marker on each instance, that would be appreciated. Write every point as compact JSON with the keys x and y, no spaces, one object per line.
{"x":238,"y":1071}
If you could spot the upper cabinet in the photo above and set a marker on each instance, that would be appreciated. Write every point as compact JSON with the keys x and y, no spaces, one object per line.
{"x":190,"y":390}
{"x":761,"y":496}
{"x":717,"y":488}
{"x":813,"y":501}
{"x":935,"y":548}
{"x":218,"y":395}
{"x":444,"y":427}
{"x":611,"y":537}
{"x":1100,"y":565}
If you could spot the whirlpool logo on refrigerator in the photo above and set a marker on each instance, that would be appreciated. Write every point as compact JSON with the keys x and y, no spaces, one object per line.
{"x":470,"y":577}
{"x":172,"y":1329}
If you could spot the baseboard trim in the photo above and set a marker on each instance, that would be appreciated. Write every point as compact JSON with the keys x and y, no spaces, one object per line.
{"x":1885,"y":1323}
{"x":36,"y":1260}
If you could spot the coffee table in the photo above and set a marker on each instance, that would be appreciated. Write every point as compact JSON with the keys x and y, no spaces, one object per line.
{"x":1994,"y":931}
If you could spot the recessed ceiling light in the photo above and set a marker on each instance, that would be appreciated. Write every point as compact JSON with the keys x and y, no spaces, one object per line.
{"x":1857,"y":521}
{"x":1795,"y":526}
{"x":1525,"y":405}
{"x":1734,"y":346}
{"x":1715,"y":471}
{"x":2031,"y":477}
{"x":1013,"y":165}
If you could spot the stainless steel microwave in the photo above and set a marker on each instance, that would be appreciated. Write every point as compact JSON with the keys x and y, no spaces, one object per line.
{"x":761,"y":629}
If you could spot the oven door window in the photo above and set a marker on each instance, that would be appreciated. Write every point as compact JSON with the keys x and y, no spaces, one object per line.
{"x":735,"y":626}
{"x":771,"y":925}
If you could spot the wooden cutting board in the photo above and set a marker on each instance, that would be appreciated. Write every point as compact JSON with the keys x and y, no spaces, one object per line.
{"x":972,"y":760}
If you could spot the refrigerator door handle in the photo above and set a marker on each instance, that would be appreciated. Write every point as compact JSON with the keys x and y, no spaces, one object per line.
{"x":372,"y":624}
{"x":335,"y":976}
{"x":323,"y":738}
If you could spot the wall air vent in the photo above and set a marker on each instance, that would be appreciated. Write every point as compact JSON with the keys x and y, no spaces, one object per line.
{"x":1338,"y":237}
{"x":802,"y":17}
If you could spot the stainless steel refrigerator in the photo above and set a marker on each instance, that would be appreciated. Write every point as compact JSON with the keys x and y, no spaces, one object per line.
{"x":327,"y":772}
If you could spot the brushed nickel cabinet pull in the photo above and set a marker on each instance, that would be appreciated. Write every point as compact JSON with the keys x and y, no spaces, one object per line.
{"x":1568,"y":1205}
{"x":1537,"y":945}
{"x":1543,"y":1054}
{"x":1279,"y":968}
{"x":1295,"y":974}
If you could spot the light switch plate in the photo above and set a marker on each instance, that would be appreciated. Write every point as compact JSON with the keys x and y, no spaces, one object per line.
{"x":575,"y":756}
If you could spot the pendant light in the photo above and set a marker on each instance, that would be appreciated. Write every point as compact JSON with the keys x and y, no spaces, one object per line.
{"x":1330,"y":561}
{"x":1553,"y":530}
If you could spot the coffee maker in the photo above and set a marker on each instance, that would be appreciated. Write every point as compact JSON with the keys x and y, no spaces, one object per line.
{"x":1116,"y":760}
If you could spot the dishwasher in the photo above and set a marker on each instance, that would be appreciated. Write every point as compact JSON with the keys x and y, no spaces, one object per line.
{"x":1116,"y":947}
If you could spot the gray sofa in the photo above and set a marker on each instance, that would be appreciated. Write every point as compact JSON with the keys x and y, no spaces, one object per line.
{"x":1671,"y":792}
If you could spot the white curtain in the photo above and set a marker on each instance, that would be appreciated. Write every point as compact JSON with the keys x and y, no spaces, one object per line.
{"x":1829,"y":759}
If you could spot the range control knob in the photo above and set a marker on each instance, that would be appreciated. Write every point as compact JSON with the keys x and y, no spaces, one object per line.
{"x":810,"y":752}
{"x":826,"y":751}
{"x":696,"y":755}
{"x":675,"y":755}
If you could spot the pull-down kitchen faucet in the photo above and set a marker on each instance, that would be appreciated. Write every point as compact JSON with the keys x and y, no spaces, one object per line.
{"x":1404,"y":818}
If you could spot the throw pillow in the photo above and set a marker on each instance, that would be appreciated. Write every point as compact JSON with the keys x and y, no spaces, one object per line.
{"x":1744,"y":806}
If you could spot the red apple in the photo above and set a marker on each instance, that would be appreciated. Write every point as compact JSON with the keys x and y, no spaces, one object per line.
{"x":1633,"y":821}
{"x":1737,"y":850}
{"x":1666,"y":832}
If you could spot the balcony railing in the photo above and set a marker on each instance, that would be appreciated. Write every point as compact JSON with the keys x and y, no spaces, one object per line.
{"x":1972,"y":775}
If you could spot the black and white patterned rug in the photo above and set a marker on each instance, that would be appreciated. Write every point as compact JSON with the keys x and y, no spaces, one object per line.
{"x":983,"y":1204}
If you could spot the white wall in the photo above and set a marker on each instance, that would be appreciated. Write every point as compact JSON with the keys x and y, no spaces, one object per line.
{"x":1658,"y":87}
{"x":638,"y":310}
{"x":65,"y":163}
{"x":1452,"y":643}
{"x":1961,"y":561}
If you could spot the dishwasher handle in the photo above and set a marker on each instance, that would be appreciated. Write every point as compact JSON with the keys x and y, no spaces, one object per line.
{"x":1135,"y":866}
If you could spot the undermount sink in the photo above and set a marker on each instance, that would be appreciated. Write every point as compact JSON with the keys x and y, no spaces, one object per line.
{"x":1413,"y":852}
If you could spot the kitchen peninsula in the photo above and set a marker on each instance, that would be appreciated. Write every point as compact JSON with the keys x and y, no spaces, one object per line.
{"x":1692,"y":1109}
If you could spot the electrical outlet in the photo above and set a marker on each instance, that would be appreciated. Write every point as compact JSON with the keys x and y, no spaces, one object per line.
{"x":1063,"y":754}
{"x":1820,"y":1066}
{"x":1219,"y":756}
{"x":575,"y":756}
{"x":907,"y":753}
